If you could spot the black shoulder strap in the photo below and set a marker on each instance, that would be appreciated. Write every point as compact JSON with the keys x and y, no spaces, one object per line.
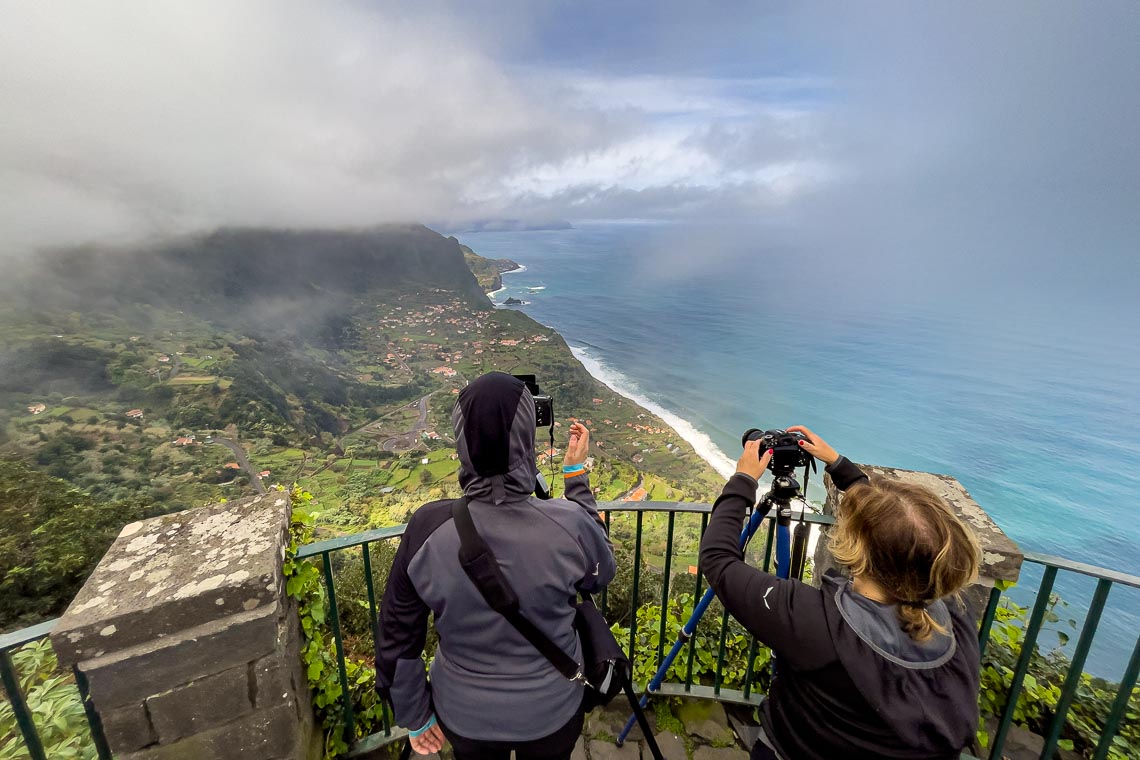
{"x":484,"y":571}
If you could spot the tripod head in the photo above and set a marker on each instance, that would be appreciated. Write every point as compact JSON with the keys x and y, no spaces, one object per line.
{"x":785,"y":488}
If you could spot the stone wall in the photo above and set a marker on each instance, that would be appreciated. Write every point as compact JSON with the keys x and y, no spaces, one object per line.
{"x":188,"y":642}
{"x":1001,"y":558}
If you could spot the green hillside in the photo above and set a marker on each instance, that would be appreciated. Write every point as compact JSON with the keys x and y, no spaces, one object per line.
{"x":187,"y":372}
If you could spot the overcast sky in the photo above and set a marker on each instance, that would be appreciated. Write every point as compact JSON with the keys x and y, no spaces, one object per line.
{"x":956,"y":129}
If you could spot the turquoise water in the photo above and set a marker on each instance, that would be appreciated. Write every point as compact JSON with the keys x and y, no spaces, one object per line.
{"x":1030,"y":399}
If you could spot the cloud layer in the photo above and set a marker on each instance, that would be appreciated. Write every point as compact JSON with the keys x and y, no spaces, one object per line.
{"x":893,"y":132}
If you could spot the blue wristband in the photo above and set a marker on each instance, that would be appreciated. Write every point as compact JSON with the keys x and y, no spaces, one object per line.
{"x":427,"y":725}
{"x":572,"y":469}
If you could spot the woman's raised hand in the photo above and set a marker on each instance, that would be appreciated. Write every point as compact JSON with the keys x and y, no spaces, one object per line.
{"x":752,"y":462}
{"x":815,"y":445}
{"x":579,"y":445}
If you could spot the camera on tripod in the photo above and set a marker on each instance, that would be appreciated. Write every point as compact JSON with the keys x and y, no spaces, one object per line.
{"x":787,"y":454}
{"x":543,"y":404}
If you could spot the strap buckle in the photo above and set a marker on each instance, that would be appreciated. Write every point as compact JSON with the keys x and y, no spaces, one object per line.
{"x":580,"y":677}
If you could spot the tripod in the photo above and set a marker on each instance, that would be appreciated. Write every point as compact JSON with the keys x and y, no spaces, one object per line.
{"x":790,"y":561}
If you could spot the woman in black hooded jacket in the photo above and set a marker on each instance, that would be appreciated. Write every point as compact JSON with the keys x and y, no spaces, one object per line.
{"x":883,"y":664}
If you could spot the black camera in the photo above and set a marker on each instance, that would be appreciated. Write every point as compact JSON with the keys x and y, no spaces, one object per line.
{"x":543,"y":405}
{"x":787,"y":454}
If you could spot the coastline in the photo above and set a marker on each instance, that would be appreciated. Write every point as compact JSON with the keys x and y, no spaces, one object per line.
{"x":491,"y":294}
{"x":702,"y":443}
{"x":623,"y":386}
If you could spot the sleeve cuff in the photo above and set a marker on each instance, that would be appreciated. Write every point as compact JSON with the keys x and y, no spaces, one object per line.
{"x":836,"y":464}
{"x":431,"y":722}
{"x":751,"y":480}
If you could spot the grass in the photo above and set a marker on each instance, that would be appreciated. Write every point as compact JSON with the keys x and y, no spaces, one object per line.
{"x":194,"y":380}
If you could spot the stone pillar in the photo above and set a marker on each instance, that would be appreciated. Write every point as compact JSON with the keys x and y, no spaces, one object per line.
{"x":188,"y":642}
{"x":1001,"y":559}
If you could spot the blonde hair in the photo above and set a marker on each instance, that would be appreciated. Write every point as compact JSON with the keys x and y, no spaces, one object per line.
{"x":910,"y":542}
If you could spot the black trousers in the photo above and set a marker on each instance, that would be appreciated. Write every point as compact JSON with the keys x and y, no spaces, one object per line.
{"x":761,"y":751}
{"x":556,"y":746}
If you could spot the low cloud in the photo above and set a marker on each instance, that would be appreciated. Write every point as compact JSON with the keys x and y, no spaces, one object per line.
{"x":970,"y":137}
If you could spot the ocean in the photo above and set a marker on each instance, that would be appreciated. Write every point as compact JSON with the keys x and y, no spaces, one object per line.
{"x":1030,"y":400}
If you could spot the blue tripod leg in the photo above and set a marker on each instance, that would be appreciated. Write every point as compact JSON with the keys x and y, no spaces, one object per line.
{"x":690,"y":627}
{"x":783,"y":550}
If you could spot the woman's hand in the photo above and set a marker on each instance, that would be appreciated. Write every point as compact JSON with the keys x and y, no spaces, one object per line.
{"x":579,"y":445}
{"x":815,"y":445}
{"x":751,"y":463}
{"x":428,"y":742}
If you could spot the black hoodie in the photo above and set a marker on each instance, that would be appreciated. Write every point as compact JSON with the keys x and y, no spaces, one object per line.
{"x":851,"y":684}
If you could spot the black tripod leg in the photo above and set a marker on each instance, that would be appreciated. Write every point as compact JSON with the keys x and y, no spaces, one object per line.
{"x":406,"y":752}
{"x":635,"y":703}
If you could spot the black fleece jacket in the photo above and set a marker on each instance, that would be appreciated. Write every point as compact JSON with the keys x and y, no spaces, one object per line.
{"x":849,"y":685}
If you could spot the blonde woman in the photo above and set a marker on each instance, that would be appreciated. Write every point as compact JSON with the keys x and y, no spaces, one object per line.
{"x":880,"y":664}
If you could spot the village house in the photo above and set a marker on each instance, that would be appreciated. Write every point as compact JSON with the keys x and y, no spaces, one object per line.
{"x":164,"y":358}
{"x":548,"y":454}
{"x":135,"y":414}
{"x":186,"y":440}
{"x":232,"y":466}
{"x":37,"y":408}
{"x":263,"y":474}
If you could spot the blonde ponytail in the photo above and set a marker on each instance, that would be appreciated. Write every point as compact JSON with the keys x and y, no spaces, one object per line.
{"x":918,"y":623}
{"x":910,"y":542}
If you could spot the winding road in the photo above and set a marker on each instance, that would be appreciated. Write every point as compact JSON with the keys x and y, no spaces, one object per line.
{"x":407,"y":440}
{"x":242,"y":460}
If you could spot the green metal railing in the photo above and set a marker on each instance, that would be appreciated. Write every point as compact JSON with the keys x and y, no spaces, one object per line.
{"x":1105,"y":580}
{"x":323,"y":553}
{"x":25,"y":720}
{"x":749,"y":695}
{"x":323,"y":550}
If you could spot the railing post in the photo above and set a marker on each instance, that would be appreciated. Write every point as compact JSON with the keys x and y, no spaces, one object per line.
{"x":605,"y":589}
{"x":20,"y":707}
{"x":1077,"y":666}
{"x":696,"y":599}
{"x":1120,"y":704}
{"x":1033,"y":628}
{"x":633,"y":593}
{"x":334,"y":621}
{"x":665,"y":589}
{"x":720,"y":652}
{"x":988,"y":620}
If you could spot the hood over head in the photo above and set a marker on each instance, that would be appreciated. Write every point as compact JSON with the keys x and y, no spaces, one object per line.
{"x":495,"y":434}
